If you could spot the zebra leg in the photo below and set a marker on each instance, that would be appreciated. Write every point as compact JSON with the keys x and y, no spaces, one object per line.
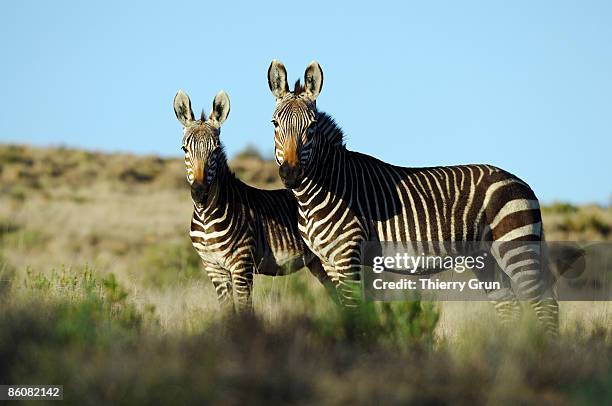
{"x":347,"y":279}
{"x":242,"y":278}
{"x":222,"y":282}
{"x":521,"y":261}
{"x":506,"y":304}
{"x":546,"y":309}
{"x":316,"y":268}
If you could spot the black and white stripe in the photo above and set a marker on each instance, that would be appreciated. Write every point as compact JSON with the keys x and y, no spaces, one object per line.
{"x":346,"y":198}
{"x":236,"y":229}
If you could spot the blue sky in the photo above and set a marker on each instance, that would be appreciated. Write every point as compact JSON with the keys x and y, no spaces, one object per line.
{"x":523,"y":85}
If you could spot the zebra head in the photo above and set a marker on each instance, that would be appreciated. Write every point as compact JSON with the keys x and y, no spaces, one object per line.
{"x":294,"y":120}
{"x":201,"y":143}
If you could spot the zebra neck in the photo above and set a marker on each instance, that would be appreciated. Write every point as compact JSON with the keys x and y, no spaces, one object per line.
{"x":329,"y":134}
{"x":221,"y":192}
{"x":322,"y":162}
{"x":319,"y":174}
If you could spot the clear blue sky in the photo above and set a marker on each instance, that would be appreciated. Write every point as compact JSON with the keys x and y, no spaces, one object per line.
{"x":525,"y":85}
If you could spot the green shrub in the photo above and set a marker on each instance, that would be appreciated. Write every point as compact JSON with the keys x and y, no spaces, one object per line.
{"x":87,"y":307}
{"x":94,"y":295}
{"x":48,"y":320}
{"x":400,"y":325}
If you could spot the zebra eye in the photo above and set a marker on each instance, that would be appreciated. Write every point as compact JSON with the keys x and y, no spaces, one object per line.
{"x":184,"y":149}
{"x":275,"y":123}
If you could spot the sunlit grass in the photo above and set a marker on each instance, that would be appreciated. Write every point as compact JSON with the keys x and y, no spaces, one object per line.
{"x":101,"y":291}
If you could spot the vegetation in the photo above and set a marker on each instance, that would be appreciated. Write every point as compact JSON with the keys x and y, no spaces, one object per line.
{"x":169,"y":263}
{"x":82,"y":330}
{"x":587,"y":223}
{"x":101,"y":292}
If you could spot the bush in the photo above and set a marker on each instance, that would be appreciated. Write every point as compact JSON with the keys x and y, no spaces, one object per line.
{"x":15,"y":154}
{"x":400,"y":325}
{"x":82,"y":297}
{"x":393,"y":324}
{"x":560,"y":208}
{"x":67,"y":312}
{"x":586,"y":222}
{"x":249,"y":152}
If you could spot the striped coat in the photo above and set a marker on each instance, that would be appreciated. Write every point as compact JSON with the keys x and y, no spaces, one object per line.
{"x":236,"y":229}
{"x":347,"y":198}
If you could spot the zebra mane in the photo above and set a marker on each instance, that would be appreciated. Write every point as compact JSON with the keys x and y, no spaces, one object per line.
{"x":298,"y":88}
{"x":222,"y":159}
{"x":330,"y":130}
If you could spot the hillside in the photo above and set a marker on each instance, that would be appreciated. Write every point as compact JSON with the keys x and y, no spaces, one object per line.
{"x":96,"y":266}
{"x":129,"y":214}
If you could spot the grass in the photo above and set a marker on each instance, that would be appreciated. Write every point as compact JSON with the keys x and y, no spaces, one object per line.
{"x":100,"y":291}
{"x":83,"y":330}
{"x":169,"y":263}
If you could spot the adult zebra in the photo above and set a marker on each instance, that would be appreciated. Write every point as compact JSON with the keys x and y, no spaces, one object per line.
{"x":236,"y":229}
{"x":346,"y":198}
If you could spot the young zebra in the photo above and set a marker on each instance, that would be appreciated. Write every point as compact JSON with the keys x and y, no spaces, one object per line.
{"x":236,"y":229}
{"x":346,"y":198}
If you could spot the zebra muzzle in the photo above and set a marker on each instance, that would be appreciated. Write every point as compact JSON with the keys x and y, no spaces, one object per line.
{"x":199,"y":191}
{"x":290,"y":175}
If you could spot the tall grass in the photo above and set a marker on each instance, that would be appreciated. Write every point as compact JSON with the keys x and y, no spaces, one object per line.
{"x":82,"y":330}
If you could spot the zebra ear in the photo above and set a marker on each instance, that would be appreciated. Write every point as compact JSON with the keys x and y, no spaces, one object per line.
{"x":313,"y":80}
{"x":182,"y":108}
{"x":277,"y":79}
{"x":221,"y":108}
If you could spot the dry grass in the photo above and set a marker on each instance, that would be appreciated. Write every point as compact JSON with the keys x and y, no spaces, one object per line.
{"x":129,"y":216}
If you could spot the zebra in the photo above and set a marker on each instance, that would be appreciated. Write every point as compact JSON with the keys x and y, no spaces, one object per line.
{"x":237,"y":230}
{"x":347,"y":198}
